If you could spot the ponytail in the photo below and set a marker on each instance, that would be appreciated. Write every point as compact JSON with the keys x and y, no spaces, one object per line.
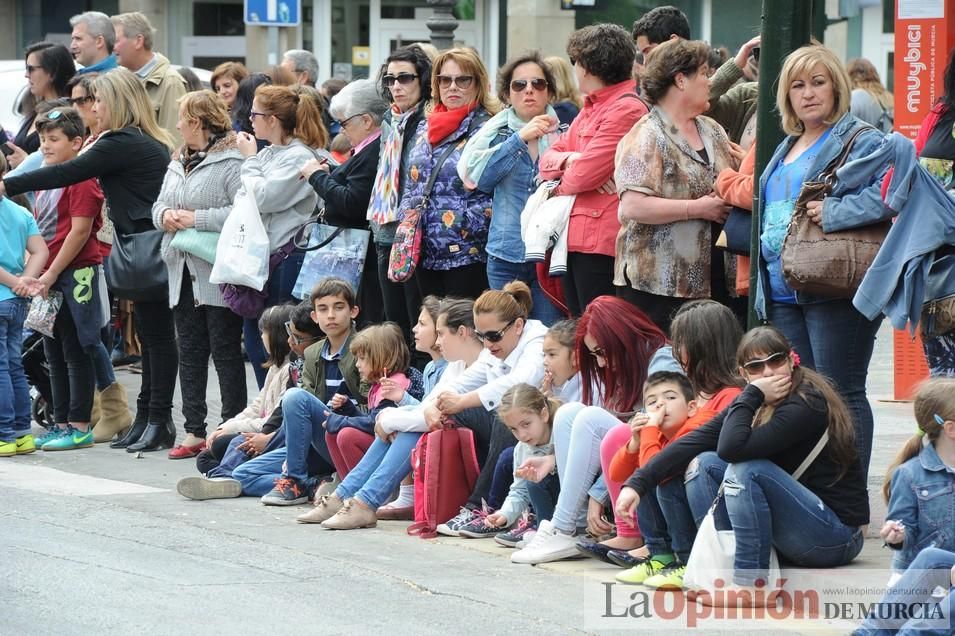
{"x":526,"y":397}
{"x":934,"y":398}
{"x":512,"y":302}
{"x":309,"y":126}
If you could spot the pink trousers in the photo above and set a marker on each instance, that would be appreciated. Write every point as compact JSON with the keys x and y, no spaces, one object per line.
{"x":616,"y":438}
{"x":347,"y":447}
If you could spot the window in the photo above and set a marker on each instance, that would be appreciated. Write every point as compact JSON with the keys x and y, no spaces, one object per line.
{"x":217,"y":18}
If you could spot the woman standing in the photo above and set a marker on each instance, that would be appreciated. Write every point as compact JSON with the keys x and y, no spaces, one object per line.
{"x":455,"y":221}
{"x":870,"y":101}
{"x":503,"y":158}
{"x":197,"y":195}
{"x":126,"y":115}
{"x":290,"y":120}
{"x":583,"y":158}
{"x":567,"y":100}
{"x":666,"y":167}
{"x":48,"y":68}
{"x":406,"y":81}
{"x":226,"y":79}
{"x":346,"y":189}
{"x":829,"y":335}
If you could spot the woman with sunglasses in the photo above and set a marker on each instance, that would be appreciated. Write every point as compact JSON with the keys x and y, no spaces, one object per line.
{"x":785,"y":413}
{"x":503,"y":158}
{"x":346,"y":188}
{"x":454,"y":220}
{"x":618,"y":347}
{"x":513,"y":353}
{"x":582,"y":158}
{"x":406,"y":82}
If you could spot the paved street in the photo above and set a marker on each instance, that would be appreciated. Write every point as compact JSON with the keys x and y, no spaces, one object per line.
{"x":101,"y":543}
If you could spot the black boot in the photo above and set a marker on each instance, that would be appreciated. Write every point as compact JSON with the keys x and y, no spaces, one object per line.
{"x":132,"y":435}
{"x":155,"y":437}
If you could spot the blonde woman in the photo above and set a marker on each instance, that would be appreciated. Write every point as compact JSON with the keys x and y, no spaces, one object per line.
{"x":567,"y":99}
{"x":870,"y":101}
{"x":128,"y":120}
{"x":197,"y":194}
{"x":455,"y":221}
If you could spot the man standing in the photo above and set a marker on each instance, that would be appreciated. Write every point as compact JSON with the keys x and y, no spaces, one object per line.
{"x":134,"y":48}
{"x":304,"y":66}
{"x":91,"y":42}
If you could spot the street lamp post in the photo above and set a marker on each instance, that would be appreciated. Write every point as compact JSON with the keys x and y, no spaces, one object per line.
{"x":442,"y":24}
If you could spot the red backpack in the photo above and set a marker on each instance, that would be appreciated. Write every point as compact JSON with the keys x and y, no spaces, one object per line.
{"x":445,"y":468}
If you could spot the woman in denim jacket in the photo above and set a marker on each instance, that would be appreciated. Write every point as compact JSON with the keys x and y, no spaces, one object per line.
{"x":829,"y":335}
{"x":502,"y":158}
{"x":920,"y":484}
{"x":454,"y":221}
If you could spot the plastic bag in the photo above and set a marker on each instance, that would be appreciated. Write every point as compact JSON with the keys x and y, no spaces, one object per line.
{"x":242,"y":253}
{"x":42,"y":314}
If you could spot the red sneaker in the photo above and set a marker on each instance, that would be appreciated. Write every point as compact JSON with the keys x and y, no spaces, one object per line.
{"x":185,"y":452}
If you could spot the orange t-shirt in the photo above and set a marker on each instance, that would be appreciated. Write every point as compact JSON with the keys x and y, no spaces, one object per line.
{"x":652,"y":440}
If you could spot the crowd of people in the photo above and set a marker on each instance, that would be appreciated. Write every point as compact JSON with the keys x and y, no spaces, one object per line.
{"x":541,"y":266}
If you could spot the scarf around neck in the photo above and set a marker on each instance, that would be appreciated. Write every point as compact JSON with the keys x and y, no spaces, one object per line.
{"x":442,"y":122}
{"x":383,"y":207}
{"x":479,"y":151}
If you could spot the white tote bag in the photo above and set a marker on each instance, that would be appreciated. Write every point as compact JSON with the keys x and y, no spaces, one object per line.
{"x":714,"y":551}
{"x":242,"y":253}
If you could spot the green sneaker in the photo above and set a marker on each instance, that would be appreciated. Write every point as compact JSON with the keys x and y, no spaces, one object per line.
{"x":71,"y":440}
{"x":670,"y":578}
{"x":54,"y":433}
{"x":8,"y":449}
{"x":640,"y":573}
{"x":25,"y":444}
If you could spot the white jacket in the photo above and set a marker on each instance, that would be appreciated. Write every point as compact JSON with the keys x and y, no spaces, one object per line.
{"x":544,"y":221}
{"x":410,"y":419}
{"x":257,"y":413}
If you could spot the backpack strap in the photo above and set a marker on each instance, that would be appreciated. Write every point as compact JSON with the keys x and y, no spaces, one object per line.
{"x":813,"y":454}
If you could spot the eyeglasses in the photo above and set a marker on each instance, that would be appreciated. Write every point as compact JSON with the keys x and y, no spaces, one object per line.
{"x":296,"y":339}
{"x":494,"y":336}
{"x":757,"y":366}
{"x":519,"y":85}
{"x":402,"y":78}
{"x":31,"y":68}
{"x":597,"y":352}
{"x":461,"y":81}
{"x":344,"y":122}
{"x":253,"y":115}
{"x":76,"y":101}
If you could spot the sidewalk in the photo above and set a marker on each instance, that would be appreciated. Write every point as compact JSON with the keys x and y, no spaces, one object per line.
{"x":894,"y":423}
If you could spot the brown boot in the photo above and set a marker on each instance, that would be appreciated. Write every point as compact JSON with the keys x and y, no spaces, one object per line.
{"x":115,"y":417}
{"x":96,"y":412}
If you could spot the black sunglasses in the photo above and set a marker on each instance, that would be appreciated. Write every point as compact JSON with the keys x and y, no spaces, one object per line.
{"x":597,"y":352}
{"x":402,"y":78}
{"x":80,"y":100}
{"x":519,"y":85}
{"x":757,"y":366}
{"x":494,"y":336}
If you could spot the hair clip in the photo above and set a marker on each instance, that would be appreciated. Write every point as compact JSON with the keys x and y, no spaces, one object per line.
{"x":939,"y":419}
{"x":54,"y":114}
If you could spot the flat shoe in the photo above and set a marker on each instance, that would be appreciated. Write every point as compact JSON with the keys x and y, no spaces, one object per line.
{"x":595,"y":550}
{"x":623,"y":558}
{"x":185,"y":452}
{"x":396,"y":514}
{"x":202,"y":488}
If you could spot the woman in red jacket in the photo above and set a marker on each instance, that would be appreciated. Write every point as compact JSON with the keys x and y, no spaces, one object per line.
{"x":602,"y":55}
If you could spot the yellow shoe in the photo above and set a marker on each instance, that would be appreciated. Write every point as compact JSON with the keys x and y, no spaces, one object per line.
{"x":670,"y":578}
{"x":8,"y":449}
{"x":640,"y":573}
{"x":25,"y":444}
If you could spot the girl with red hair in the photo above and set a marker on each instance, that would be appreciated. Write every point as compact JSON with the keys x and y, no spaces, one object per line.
{"x":618,"y":346}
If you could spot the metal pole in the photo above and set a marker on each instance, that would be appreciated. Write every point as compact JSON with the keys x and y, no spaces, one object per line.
{"x":273,"y":55}
{"x":787,"y":25}
{"x":442,"y":24}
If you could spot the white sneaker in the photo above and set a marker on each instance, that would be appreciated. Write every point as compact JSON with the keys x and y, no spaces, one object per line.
{"x":328,"y":487}
{"x":526,"y":539}
{"x":452,"y":527}
{"x":549,"y":544}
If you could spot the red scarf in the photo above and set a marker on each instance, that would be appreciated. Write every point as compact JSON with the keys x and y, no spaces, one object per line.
{"x":442,"y":122}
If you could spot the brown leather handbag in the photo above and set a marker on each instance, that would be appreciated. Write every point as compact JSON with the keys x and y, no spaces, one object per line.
{"x":832,"y":264}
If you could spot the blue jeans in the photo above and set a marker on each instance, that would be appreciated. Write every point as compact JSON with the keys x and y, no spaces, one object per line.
{"x":102,"y":367}
{"x":578,"y":431}
{"x":833,"y":338}
{"x":767,"y":508}
{"x":543,"y":496}
{"x":233,"y":457}
{"x":280,"y":286}
{"x":670,"y":515}
{"x":502,"y":480}
{"x":14,"y":390}
{"x":501,"y":272}
{"x":931,"y":568}
{"x":302,"y":417}
{"x":258,"y":475}
{"x":380,"y":471}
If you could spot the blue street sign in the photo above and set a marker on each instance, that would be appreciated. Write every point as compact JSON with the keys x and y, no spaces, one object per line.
{"x":273,"y":12}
